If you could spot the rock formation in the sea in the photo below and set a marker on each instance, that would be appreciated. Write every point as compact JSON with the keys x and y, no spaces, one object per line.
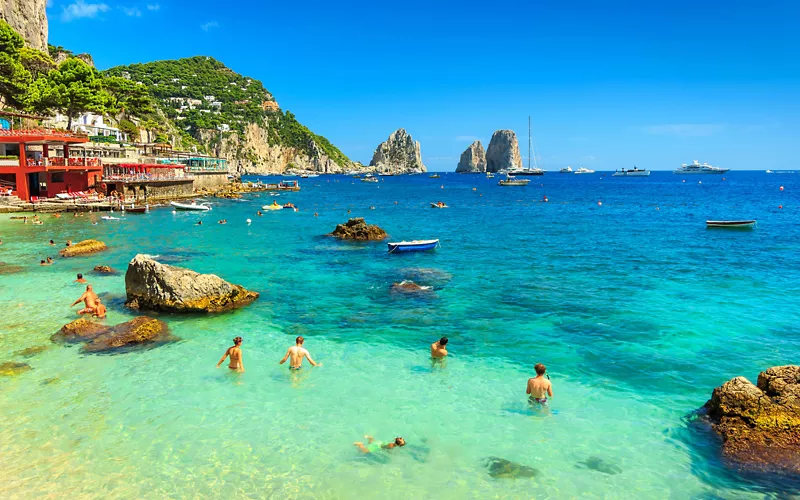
{"x":473,"y":160}
{"x":12,"y":368}
{"x":104,"y":270}
{"x":506,"y":469}
{"x":503,"y":152}
{"x":84,"y":247}
{"x":409,"y":287}
{"x":151,"y":285}
{"x":760,"y":424}
{"x":29,"y":19}
{"x":358,"y":229}
{"x":140,"y":331}
{"x":80,"y":330}
{"x":398,"y":155}
{"x":30,"y":352}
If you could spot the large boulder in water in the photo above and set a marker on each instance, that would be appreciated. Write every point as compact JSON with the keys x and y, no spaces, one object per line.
{"x":159,"y":287}
{"x":760,"y":424}
{"x":136,"y":332}
{"x":358,"y":229}
{"x":503,"y":152}
{"x":80,"y":330}
{"x":84,"y":247}
{"x":500,"y":468}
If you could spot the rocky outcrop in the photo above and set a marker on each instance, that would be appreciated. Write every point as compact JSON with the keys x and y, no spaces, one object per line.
{"x":12,"y":369}
{"x":358,"y":229}
{"x":409,"y":287}
{"x":29,"y":19}
{"x":158,"y":287}
{"x":84,"y":247}
{"x":104,"y":270}
{"x":503,"y":152}
{"x":30,"y":352}
{"x":398,"y":155}
{"x":80,"y":330}
{"x":473,"y":160}
{"x":760,"y":424}
{"x":138,"y":332}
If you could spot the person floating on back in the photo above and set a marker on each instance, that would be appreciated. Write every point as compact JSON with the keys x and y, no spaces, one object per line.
{"x":297,"y":352}
{"x":439,"y":348}
{"x":539,"y":387}
{"x":373,"y":446}
{"x":235,"y":353}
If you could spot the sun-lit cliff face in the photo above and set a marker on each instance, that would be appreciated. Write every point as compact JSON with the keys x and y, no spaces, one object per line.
{"x":29,"y":19}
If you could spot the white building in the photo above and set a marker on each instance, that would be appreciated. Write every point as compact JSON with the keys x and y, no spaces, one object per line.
{"x":89,"y":124}
{"x":224,"y":127}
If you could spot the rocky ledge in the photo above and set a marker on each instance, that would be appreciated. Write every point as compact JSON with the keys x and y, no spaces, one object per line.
{"x":358,"y":229}
{"x":159,"y":287}
{"x":84,"y":247}
{"x":138,"y":332}
{"x":760,"y":424}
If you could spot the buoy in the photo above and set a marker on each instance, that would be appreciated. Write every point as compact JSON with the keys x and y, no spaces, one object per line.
{"x":781,"y":188}
{"x":544,"y":199}
{"x":780,"y":206}
{"x":474,"y":189}
{"x":699,"y":182}
{"x":658,"y":208}
{"x":683,"y":181}
{"x":395,"y":203}
{"x":442,"y":186}
{"x":249,"y":221}
{"x":599,"y":203}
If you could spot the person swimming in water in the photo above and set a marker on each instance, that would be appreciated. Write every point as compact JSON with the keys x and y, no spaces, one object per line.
{"x":80,"y":279}
{"x":297,"y":352}
{"x":439,"y":348}
{"x":99,"y":310}
{"x":52,"y":243}
{"x":235,"y":353}
{"x":539,"y":387}
{"x":373,"y":446}
{"x":89,"y":299}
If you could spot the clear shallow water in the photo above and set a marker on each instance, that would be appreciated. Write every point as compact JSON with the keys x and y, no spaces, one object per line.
{"x":639,"y":313}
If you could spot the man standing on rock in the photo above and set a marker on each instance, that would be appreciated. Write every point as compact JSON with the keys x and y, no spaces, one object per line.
{"x":89,"y":299}
{"x":297,"y":352}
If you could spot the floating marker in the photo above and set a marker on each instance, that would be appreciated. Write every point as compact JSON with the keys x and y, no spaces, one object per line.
{"x":781,"y":188}
{"x":599,"y":203}
{"x":249,"y":221}
{"x":780,"y":206}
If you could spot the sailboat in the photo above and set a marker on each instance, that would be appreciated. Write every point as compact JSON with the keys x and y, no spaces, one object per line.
{"x":528,"y":171}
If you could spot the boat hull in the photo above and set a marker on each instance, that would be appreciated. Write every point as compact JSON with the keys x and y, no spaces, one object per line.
{"x":190,"y":208}
{"x":136,"y":210}
{"x":712,"y":172}
{"x":631,"y":174}
{"x":731,"y":224}
{"x":522,"y":173}
{"x":413,"y":246}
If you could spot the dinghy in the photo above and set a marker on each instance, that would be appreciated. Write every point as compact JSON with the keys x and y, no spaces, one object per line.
{"x":108,"y":217}
{"x":731,"y":223}
{"x":413,"y":246}
{"x":201,"y":207}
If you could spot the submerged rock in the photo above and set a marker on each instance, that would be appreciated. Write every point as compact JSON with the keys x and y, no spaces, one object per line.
{"x":84,"y":247}
{"x":12,"y":369}
{"x":506,"y":469}
{"x":503,"y":152}
{"x":428,"y":276}
{"x":599,"y":465}
{"x":104,"y":270}
{"x":8,"y":269}
{"x":138,"y":331}
{"x":409,"y":287}
{"x":159,"y":287}
{"x":30,"y":352}
{"x":358,"y":229}
{"x":760,"y":424}
{"x":80,"y":330}
{"x":399,"y":154}
{"x":473,"y":159}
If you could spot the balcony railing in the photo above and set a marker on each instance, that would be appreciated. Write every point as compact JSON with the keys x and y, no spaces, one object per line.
{"x":65,"y":162}
{"x":42,"y":131}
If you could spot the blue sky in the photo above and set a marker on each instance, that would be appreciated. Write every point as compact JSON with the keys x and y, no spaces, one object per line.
{"x":608,"y":84}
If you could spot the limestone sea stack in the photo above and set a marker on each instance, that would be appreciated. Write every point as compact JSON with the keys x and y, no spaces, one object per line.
{"x":503,"y":152}
{"x":358,"y":229}
{"x":84,"y":247}
{"x":760,"y":424}
{"x":151,"y":285}
{"x":473,"y":160}
{"x":398,"y":155}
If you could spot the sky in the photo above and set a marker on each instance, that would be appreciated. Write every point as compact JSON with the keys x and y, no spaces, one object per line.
{"x":607,"y":84}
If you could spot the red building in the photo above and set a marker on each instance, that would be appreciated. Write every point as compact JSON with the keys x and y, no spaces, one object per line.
{"x":28,"y":169}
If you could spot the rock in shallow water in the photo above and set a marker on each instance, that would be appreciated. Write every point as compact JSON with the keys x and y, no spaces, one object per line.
{"x":409,"y":287}
{"x":80,"y":330}
{"x":506,"y":469}
{"x":599,"y":465}
{"x":11,"y":369}
{"x":159,"y":287}
{"x":84,"y":247}
{"x":358,"y":229}
{"x":104,"y":270}
{"x":760,"y":424}
{"x":138,"y":331}
{"x":30,"y":352}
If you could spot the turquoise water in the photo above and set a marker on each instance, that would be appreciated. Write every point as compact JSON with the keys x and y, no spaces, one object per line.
{"x":636,"y":308}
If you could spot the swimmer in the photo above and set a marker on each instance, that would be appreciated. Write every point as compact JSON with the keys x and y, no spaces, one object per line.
{"x":223,"y":221}
{"x":259,"y":213}
{"x":52,"y":243}
{"x":373,"y":446}
{"x":235,"y":353}
{"x":297,"y":353}
{"x":439,"y":348}
{"x":49,"y":260}
{"x":69,"y":243}
{"x":89,"y":299}
{"x":80,"y":279}
{"x":57,"y":215}
{"x":539,"y":387}
{"x":199,"y":223}
{"x":43,"y":263}
{"x":100,"y":310}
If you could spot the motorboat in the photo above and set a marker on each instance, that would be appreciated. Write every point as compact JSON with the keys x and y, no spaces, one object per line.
{"x":290,"y":206}
{"x":136,"y":210}
{"x":369,"y":179}
{"x":526,"y":171}
{"x":289,"y":186}
{"x":697,"y":168}
{"x":489,"y":175}
{"x":438,"y":205}
{"x":413,"y":246}
{"x":634,"y":172}
{"x":193,"y":206}
{"x":434,"y":176}
{"x":108,"y":217}
{"x":731,"y":223}
{"x":512,"y":181}
{"x":584,"y":171}
{"x":567,"y":170}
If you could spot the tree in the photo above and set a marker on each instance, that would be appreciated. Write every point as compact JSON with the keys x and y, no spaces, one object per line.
{"x":37,"y":63}
{"x":10,"y":40}
{"x":14,"y":78}
{"x":75,"y":88}
{"x":128,"y":97}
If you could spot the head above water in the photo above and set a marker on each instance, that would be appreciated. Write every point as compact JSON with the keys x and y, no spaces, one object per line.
{"x":88,"y":288}
{"x":398,"y":441}
{"x":540,"y":369}
{"x":80,"y":276}
{"x":237,"y":341}
{"x":443,"y":341}
{"x":299,"y":340}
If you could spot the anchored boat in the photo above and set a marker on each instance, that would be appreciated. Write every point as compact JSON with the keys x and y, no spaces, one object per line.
{"x":731,"y":223}
{"x":413,"y":246}
{"x":194,"y":206}
{"x":513,"y":181}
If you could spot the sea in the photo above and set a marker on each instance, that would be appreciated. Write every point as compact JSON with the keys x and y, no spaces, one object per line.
{"x":614,"y":283}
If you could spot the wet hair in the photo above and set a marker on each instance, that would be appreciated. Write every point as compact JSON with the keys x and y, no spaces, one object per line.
{"x":80,"y":276}
{"x":237,"y":340}
{"x":52,"y":242}
{"x":540,"y":369}
{"x":299,"y":340}
{"x":398,"y":441}
{"x":42,"y":261}
{"x":443,"y":341}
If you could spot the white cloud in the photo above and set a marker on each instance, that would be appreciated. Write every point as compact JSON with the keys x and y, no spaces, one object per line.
{"x":209,"y":25}
{"x":153,"y":6}
{"x":685,"y":129}
{"x":467,"y":138}
{"x":132,"y":11}
{"x":80,"y":9}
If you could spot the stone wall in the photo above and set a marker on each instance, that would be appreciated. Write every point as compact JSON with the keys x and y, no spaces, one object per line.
{"x":209,"y":179}
{"x":142,"y":191}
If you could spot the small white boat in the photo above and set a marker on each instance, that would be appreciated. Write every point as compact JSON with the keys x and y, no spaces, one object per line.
{"x":199,"y":207}
{"x":567,"y":170}
{"x":634,"y":172}
{"x":413,"y":246}
{"x":489,"y":175}
{"x":731,"y":223}
{"x":513,"y":181}
{"x":584,"y":171}
{"x":108,"y":217}
{"x":369,"y":179}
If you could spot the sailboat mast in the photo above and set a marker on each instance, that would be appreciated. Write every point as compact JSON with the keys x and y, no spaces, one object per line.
{"x":529,"y":143}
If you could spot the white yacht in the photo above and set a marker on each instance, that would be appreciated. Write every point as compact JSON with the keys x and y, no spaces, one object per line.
{"x":697,"y":168}
{"x":634,"y":172}
{"x":584,"y":171}
{"x":567,"y":170}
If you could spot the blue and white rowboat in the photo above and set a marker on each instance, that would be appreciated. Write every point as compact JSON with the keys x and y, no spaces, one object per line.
{"x":413,"y":246}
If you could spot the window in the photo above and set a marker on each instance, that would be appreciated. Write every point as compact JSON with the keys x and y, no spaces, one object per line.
{"x":57,"y":177}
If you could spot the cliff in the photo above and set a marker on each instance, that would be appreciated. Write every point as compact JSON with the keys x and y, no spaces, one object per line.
{"x":29,"y":19}
{"x":503,"y":152}
{"x":473,"y":160}
{"x":398,"y":155}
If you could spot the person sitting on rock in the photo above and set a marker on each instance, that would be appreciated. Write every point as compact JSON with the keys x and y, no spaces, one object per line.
{"x":100,"y":310}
